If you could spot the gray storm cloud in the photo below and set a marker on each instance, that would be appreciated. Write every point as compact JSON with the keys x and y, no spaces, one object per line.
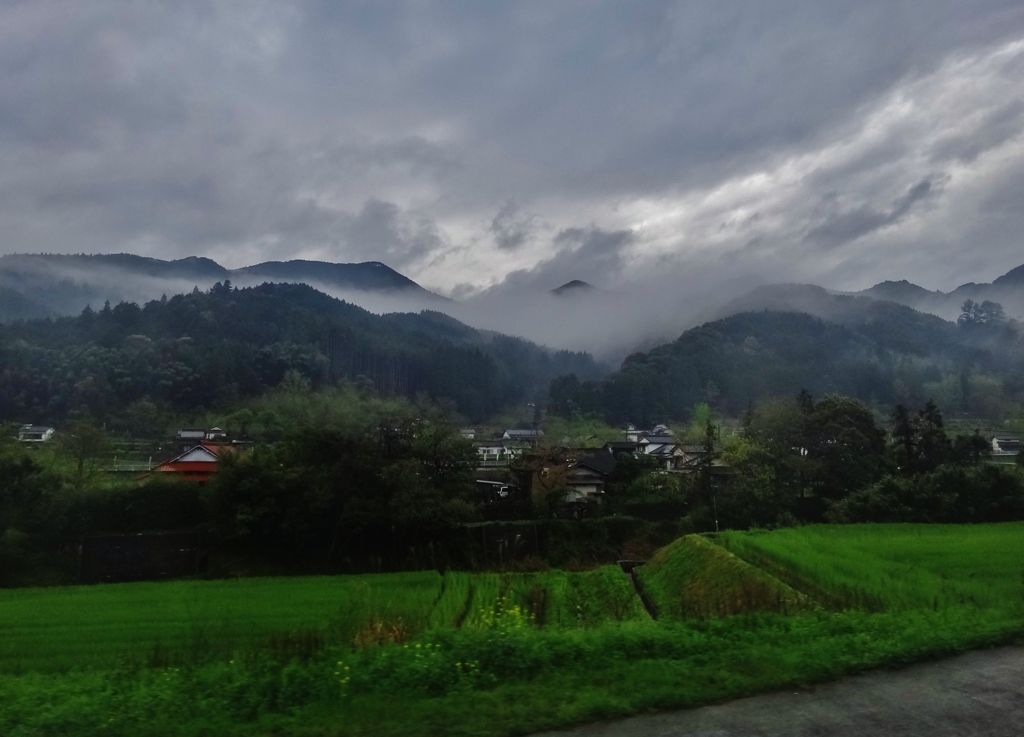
{"x":496,"y":150}
{"x":840,"y":228}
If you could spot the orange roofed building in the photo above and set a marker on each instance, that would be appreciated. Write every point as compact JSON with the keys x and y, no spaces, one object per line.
{"x":195,"y":464}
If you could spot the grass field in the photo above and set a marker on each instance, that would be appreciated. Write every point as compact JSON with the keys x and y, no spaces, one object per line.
{"x":494,"y":654}
{"x":60,"y":629}
{"x":56,"y":629}
{"x":892,"y":567}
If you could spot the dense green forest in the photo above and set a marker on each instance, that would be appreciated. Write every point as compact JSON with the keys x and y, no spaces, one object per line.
{"x":879,"y":352}
{"x":202,"y":350}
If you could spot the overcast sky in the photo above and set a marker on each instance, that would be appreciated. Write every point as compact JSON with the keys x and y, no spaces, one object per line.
{"x":481,"y":145}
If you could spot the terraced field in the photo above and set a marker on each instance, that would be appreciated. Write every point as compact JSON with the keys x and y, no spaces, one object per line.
{"x":493,"y":654}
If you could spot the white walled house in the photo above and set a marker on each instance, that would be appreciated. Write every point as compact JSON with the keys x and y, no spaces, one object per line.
{"x":35,"y":433}
{"x":1006,"y":445}
{"x":496,"y":453}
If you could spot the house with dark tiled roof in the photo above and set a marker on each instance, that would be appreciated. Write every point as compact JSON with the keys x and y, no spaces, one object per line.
{"x":615,"y":447}
{"x":587,"y":476}
{"x":523,"y":436}
{"x":189,"y":437}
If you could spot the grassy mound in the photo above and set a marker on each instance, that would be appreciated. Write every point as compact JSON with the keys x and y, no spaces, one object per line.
{"x":695,"y":578}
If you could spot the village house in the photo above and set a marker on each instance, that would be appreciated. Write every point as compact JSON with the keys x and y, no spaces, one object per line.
{"x":199,"y":451}
{"x":523,"y":436}
{"x":188,"y":438}
{"x":196,"y":464}
{"x":587,"y":476}
{"x":662,"y":447}
{"x":35,"y":433}
{"x":659,"y":443}
{"x":496,"y":453}
{"x":496,"y":483}
{"x":634,"y":435}
{"x":689,"y":457}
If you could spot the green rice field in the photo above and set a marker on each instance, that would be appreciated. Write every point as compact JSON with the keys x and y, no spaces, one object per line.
{"x":427,"y":653}
{"x":59,"y":629}
{"x":894,"y":567}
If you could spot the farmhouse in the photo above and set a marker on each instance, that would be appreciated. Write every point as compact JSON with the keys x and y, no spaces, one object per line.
{"x":635,"y":435}
{"x":523,"y":436}
{"x":587,"y":476}
{"x":197,"y":463}
{"x":496,"y":453}
{"x":189,"y":437}
{"x":35,"y":433}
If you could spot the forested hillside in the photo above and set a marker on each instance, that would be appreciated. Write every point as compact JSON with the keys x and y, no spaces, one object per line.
{"x":202,"y":350}
{"x":882,"y":353}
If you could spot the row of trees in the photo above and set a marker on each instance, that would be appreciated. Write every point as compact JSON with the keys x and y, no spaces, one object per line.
{"x":805,"y":461}
{"x":353,"y":475}
{"x":329,"y":494}
{"x":801,"y":461}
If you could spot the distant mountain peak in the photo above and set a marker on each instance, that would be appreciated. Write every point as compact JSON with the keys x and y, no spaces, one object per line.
{"x":365,"y":276}
{"x":896,"y":291}
{"x":576,"y":286}
{"x":1011,"y":277}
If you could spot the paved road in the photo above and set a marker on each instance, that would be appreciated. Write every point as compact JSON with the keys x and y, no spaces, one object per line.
{"x":980,"y":693}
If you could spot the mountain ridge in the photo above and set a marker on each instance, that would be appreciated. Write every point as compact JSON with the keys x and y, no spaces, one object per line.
{"x":51,"y":285}
{"x":1007,"y":289}
{"x":880,"y":352}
